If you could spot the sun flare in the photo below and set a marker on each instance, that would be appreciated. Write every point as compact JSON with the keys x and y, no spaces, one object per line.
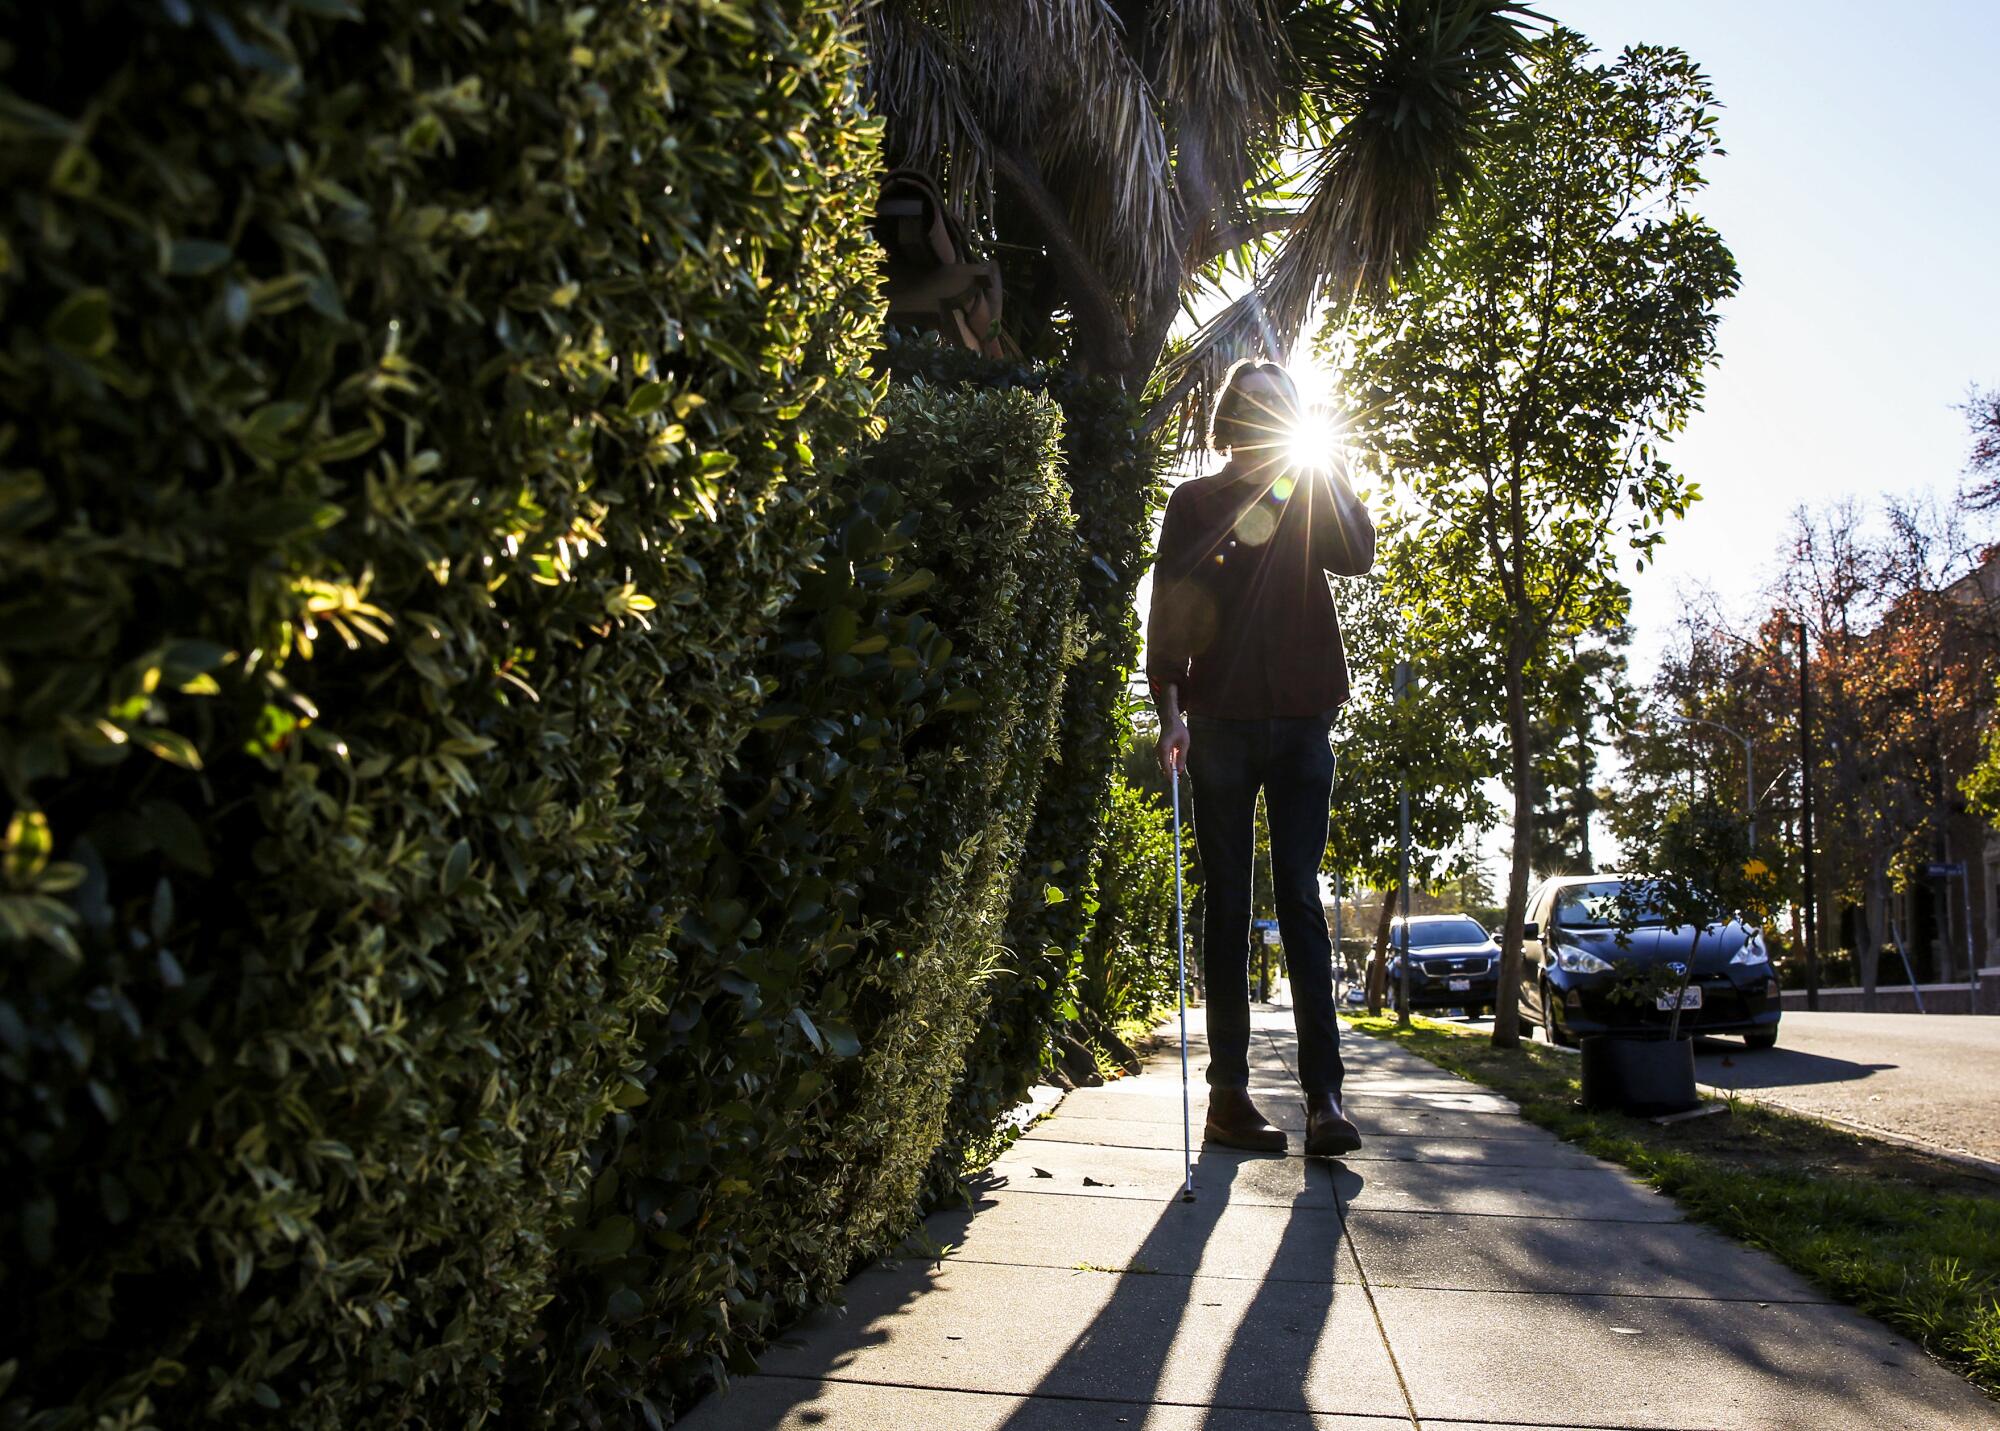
{"x":1318,"y":437}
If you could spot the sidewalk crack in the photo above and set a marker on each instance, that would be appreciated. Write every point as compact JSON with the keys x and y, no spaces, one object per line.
{"x":1368,"y":1291}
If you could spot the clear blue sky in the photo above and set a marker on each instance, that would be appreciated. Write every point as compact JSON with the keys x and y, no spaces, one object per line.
{"x":1861,"y":195}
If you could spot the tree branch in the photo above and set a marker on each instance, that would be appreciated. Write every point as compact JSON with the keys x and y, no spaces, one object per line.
{"x":1260,"y":225}
{"x":1106,"y":340}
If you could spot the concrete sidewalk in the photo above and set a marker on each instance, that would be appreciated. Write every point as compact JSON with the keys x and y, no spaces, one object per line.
{"x":1463,"y":1269}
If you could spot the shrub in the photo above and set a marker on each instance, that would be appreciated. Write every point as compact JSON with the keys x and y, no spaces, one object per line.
{"x":1116,"y":489}
{"x":829,"y":980}
{"x":409,"y":431}
{"x":1129,"y":969}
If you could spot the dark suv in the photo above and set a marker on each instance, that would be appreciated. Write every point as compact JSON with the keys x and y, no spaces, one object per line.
{"x":1454,"y":963}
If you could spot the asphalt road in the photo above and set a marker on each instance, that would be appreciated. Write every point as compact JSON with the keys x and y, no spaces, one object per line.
{"x":1931,"y":1077}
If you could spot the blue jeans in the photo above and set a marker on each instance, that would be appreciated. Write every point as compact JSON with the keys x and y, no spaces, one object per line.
{"x":1291,"y":760}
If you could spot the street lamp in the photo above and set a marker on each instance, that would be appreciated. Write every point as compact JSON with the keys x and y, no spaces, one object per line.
{"x":1749,"y":771}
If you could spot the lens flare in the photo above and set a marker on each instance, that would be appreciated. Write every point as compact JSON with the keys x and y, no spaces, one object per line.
{"x":1315,"y":440}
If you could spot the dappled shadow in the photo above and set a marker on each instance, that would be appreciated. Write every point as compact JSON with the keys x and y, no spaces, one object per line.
{"x":1774,"y":1067}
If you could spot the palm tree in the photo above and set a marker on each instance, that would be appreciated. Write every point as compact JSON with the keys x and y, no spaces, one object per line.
{"x":1142,"y":151}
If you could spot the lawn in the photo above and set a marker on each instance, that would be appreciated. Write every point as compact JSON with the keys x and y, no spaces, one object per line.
{"x":1908,"y":1238}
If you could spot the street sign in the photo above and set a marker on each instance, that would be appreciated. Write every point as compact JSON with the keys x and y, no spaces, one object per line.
{"x":1271,"y":936}
{"x":1263,"y":924}
{"x":1954,"y":870}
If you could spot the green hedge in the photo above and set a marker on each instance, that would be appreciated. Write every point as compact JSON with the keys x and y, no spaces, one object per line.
{"x":1129,"y":970}
{"x":796,"y":1083}
{"x":408,"y":444}
{"x":1115,"y":478}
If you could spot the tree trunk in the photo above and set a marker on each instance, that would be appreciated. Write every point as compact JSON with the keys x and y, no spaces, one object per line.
{"x":1873,"y":930}
{"x":1586,"y":763}
{"x":1378,"y":967}
{"x":1941,"y":917}
{"x":1507,"y":992}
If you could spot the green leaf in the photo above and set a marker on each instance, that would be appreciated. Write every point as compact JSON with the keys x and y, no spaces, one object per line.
{"x":28,"y":847}
{"x":457,"y":865}
{"x":841,"y":1040}
{"x":82,"y":324}
{"x":917,"y":581}
{"x":646,"y":399}
{"x":170,"y":746}
{"x":191,"y":258}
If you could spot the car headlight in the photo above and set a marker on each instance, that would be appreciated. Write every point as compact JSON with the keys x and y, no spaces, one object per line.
{"x":1581,"y":961}
{"x":1752,"y":952}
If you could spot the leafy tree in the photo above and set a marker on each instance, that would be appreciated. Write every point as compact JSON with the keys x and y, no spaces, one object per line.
{"x":1520,"y":381}
{"x":1982,"y":411}
{"x":1122,"y":157}
{"x":1903,"y":651}
{"x":1582,"y":695}
{"x":1431,"y":738}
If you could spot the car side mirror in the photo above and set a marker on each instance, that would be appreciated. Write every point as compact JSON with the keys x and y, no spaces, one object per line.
{"x":1531,"y":930}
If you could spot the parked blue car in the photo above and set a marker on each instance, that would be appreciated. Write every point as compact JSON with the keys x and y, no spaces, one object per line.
{"x":1571,"y":956}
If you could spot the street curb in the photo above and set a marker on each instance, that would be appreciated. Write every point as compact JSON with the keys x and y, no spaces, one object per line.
{"x":1982,"y":1166}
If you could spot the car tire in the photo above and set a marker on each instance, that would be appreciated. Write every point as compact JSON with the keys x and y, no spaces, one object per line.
{"x":1761,"y":1038}
{"x":1558,"y":1036}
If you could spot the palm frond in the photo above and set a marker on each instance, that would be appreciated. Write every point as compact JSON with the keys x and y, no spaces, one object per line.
{"x":1404,"y":89}
{"x":1223,"y":68}
{"x":917,"y":80}
{"x":1065,"y":74}
{"x":1055,"y":79}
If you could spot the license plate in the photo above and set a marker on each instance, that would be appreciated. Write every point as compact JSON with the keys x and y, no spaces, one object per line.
{"x":1690,"y":999}
{"x":1458,"y":985}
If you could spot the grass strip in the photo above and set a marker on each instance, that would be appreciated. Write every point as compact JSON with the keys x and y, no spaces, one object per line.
{"x":1907,"y":1238}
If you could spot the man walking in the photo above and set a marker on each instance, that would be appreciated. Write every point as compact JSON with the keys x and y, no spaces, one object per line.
{"x":1244,"y":658}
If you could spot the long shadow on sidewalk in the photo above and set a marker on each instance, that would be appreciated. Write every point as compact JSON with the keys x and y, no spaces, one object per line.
{"x":1129,"y":1332}
{"x":1270,"y":1360}
{"x":1267,"y":1360}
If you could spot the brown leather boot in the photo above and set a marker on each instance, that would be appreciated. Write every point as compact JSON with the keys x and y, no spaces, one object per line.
{"x":1328,"y":1132}
{"x":1234,"y":1122}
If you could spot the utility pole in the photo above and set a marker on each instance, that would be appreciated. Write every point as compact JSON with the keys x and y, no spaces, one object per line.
{"x":1805,"y":822}
{"x":1263,"y":949}
{"x":1403,"y":861}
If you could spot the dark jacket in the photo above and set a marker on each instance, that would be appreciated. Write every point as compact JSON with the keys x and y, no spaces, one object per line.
{"x":1242,"y":617}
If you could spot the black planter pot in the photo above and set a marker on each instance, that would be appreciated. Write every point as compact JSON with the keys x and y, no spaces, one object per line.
{"x":1639,"y":1075}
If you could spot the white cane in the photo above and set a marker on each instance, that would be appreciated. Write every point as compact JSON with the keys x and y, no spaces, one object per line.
{"x":1180,"y":956}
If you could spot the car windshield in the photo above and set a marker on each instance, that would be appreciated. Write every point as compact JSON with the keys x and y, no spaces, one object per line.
{"x":1444,"y":931}
{"x":1596,"y":905}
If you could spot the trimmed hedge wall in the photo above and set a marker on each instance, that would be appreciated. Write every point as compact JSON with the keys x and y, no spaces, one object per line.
{"x":409,"y":430}
{"x":797,"y":1080}
{"x":512,"y":826}
{"x":1115,"y":479}
{"x":1128,"y":955}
